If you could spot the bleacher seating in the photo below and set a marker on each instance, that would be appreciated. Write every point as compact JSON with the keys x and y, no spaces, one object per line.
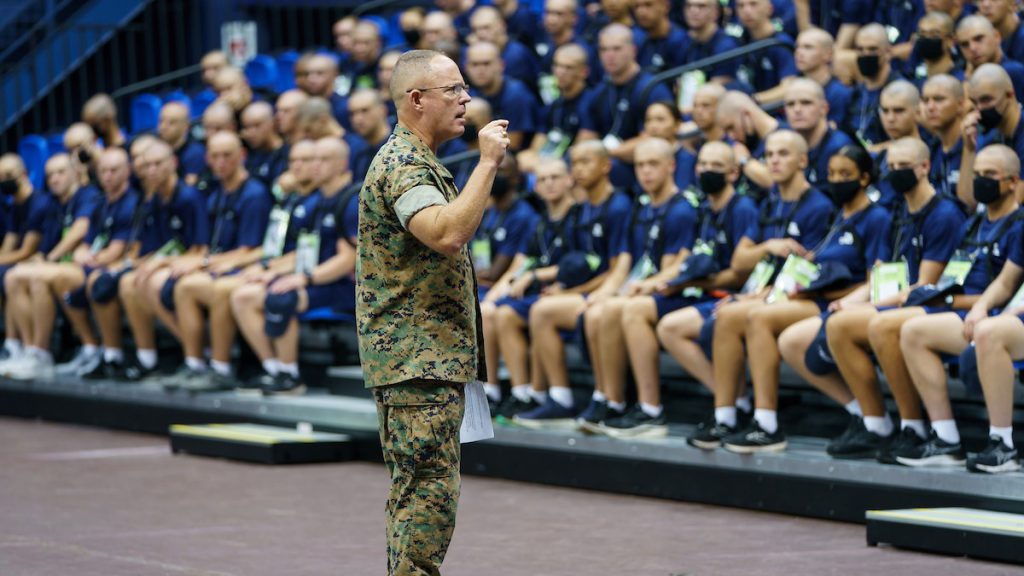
{"x":261,"y":72}
{"x":34,"y":152}
{"x":145,"y":113}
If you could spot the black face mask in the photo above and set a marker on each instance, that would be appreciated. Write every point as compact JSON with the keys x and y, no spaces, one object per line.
{"x":843,"y":192}
{"x":869,"y":65}
{"x":412,"y":37}
{"x":903,"y":180}
{"x":986,"y":190}
{"x":469,"y":135}
{"x":84,"y":156}
{"x":500,"y":187}
{"x":751,"y":141}
{"x":712,"y":182}
{"x":929,"y":48}
{"x":8,"y":187}
{"x":990,"y":118}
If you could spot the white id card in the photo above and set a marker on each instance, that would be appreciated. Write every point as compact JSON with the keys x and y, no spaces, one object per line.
{"x":476,"y":421}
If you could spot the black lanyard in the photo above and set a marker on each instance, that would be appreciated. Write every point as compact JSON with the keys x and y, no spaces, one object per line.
{"x":222,"y":213}
{"x":619,"y":103}
{"x":654,"y":227}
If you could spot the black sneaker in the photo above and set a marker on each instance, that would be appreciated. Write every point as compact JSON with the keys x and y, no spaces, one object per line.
{"x":285,"y":385}
{"x":709,"y":434}
{"x":635,"y":424}
{"x":933,"y":452}
{"x":754,"y":439}
{"x":136,"y":372}
{"x":254,"y":386}
{"x":996,"y":458}
{"x":212,"y":382}
{"x":594,"y":416}
{"x":185,"y":377}
{"x":856,"y":443}
{"x":511,"y":406}
{"x":905,"y":441}
{"x":105,"y":371}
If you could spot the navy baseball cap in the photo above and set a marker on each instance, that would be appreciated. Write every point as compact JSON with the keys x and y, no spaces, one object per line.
{"x":104,"y":288}
{"x":278,"y":310}
{"x":574,"y":269}
{"x":167,"y":293}
{"x":831,"y":275}
{"x":818,"y":357}
{"x":922,"y":295}
{"x":696,"y":267}
{"x":77,"y":298}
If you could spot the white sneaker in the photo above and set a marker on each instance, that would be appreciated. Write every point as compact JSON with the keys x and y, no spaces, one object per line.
{"x":82,"y":363}
{"x":7,"y":365}
{"x":33,"y":368}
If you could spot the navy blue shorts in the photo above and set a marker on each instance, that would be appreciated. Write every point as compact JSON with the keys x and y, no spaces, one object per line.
{"x":707,"y":330}
{"x":520,"y":305}
{"x":668,"y":304}
{"x":339,"y":296}
{"x":76,"y":297}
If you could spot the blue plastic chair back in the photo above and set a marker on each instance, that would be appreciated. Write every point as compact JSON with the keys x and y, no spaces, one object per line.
{"x":286,"y":71}
{"x":55,"y":143}
{"x":261,"y":72}
{"x":145,"y":112}
{"x":34,"y":153}
{"x":201,"y":101}
{"x":178,"y":96}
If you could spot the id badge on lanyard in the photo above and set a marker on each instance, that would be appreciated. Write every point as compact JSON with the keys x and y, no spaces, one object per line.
{"x":171,"y":248}
{"x":957,"y":269}
{"x":796,"y":273}
{"x":888,"y":279}
{"x":481,"y":252}
{"x":99,"y":242}
{"x":307,"y":252}
{"x":689,"y":83}
{"x":1017,"y":300}
{"x":642,"y":270}
{"x":277,"y":230}
{"x":759,"y":278}
{"x":558,"y":142}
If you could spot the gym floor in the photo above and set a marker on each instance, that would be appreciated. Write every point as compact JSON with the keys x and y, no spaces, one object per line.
{"x":86,"y":501}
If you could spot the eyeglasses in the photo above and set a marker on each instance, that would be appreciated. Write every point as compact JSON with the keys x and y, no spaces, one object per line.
{"x":452,"y":89}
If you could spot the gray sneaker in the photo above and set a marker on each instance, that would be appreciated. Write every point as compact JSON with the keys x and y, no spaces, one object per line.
{"x":212,"y":381}
{"x":184,"y":378}
{"x":82,"y":363}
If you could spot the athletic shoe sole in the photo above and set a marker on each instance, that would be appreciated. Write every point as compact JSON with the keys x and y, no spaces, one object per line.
{"x":862,"y":455}
{"x":704,"y":444}
{"x":1000,"y":469}
{"x":737,"y":449}
{"x":545,"y":424}
{"x":297,"y":391}
{"x":940,"y":460}
{"x":645,"y":431}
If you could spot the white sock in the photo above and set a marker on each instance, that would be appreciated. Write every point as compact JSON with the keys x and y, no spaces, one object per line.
{"x":291,"y":368}
{"x":42,"y":354}
{"x":493,"y":391}
{"x":946,"y":431}
{"x":12,"y":346}
{"x":617,"y":406}
{"x":538,"y":396}
{"x":915,"y":425}
{"x":1005,"y":433}
{"x":561,"y":395}
{"x":113,"y":355}
{"x":767,"y":419}
{"x":853,"y":407}
{"x":599,"y":396}
{"x":745,"y":404}
{"x":222,"y":368}
{"x":726,"y":415}
{"x":522,"y":392}
{"x":196,"y":364}
{"x":146,"y":358}
{"x":881,"y":425}
{"x":271,"y":366}
{"x":652,"y":411}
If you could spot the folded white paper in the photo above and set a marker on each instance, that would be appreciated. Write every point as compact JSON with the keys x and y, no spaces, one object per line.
{"x":476,"y":421}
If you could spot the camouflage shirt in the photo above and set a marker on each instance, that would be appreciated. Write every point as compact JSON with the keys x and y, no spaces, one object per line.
{"x":417,"y":311}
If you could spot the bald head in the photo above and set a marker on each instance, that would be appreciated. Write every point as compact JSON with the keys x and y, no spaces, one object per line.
{"x":997,"y":161}
{"x":410,"y":71}
{"x":873,"y":34}
{"x":910,"y":153}
{"x":11,"y":167}
{"x":818,"y":37}
{"x":789,"y":140}
{"x":717,"y":156}
{"x":258,"y":111}
{"x":321,"y":71}
{"x":615,"y":32}
{"x":225,"y":155}
{"x":945,"y":84}
{"x":315,"y":118}
{"x":60,"y":175}
{"x":938,"y":22}
{"x":100,"y":112}
{"x":212,"y":63}
{"x":302,"y":164}
{"x":79,"y":135}
{"x":331,"y":159}
{"x":112,"y":170}
{"x":437,"y":26}
{"x":974,"y":24}
{"x":287,"y":110}
{"x":488,"y":25}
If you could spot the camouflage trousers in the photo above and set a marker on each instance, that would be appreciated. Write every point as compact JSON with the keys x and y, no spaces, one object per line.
{"x":419,"y":431}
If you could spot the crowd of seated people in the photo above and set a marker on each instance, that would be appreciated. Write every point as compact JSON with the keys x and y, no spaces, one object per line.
{"x":843,"y":200}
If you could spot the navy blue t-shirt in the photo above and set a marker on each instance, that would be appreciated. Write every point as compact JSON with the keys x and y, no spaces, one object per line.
{"x":862,"y":113}
{"x":300,"y":210}
{"x":859,"y":12}
{"x":818,"y":157}
{"x":1006,"y":237}
{"x":858,"y":241}
{"x":805,"y":220}
{"x":82,"y":204}
{"x":513,"y":102}
{"x":1013,"y":44}
{"x":39,"y":213}
{"x":267,"y":165}
{"x":545,"y":49}
{"x":686,"y":164}
{"x":718,"y":43}
{"x":932,"y":233}
{"x":550,"y":239}
{"x":994,"y":136}
{"x":900,"y":16}
{"x":945,"y":171}
{"x":725,"y":229}
{"x":660,"y":230}
{"x":655,"y":54}
{"x":521,"y":63}
{"x":618,"y":109}
{"x":506,"y":230}
{"x":838,"y":96}
{"x":766,"y":69}
{"x":322,"y":218}
{"x":360,"y":154}
{"x":191,"y":158}
{"x":603,"y":229}
{"x":114,"y":219}
{"x":565,"y":115}
{"x":146,"y":230}
{"x":185,"y":218}
{"x":239,"y":219}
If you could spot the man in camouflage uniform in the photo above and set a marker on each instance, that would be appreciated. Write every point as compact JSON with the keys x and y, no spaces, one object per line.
{"x":420,"y":339}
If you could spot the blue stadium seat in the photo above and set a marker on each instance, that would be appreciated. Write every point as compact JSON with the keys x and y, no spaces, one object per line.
{"x":261,"y":72}
{"x":145,"y":112}
{"x":55,"y":143}
{"x":178,"y":96}
{"x":286,"y":71}
{"x":200,"y":101}
{"x":34,"y":153}
{"x":326,"y":315}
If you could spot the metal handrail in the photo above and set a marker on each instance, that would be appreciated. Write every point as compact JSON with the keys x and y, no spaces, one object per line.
{"x":753,"y":47}
{"x":156,"y":81}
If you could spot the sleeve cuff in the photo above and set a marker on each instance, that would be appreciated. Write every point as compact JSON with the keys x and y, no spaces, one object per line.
{"x":416,"y":199}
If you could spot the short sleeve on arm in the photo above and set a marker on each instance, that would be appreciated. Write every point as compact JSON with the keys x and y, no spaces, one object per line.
{"x":415,"y":199}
